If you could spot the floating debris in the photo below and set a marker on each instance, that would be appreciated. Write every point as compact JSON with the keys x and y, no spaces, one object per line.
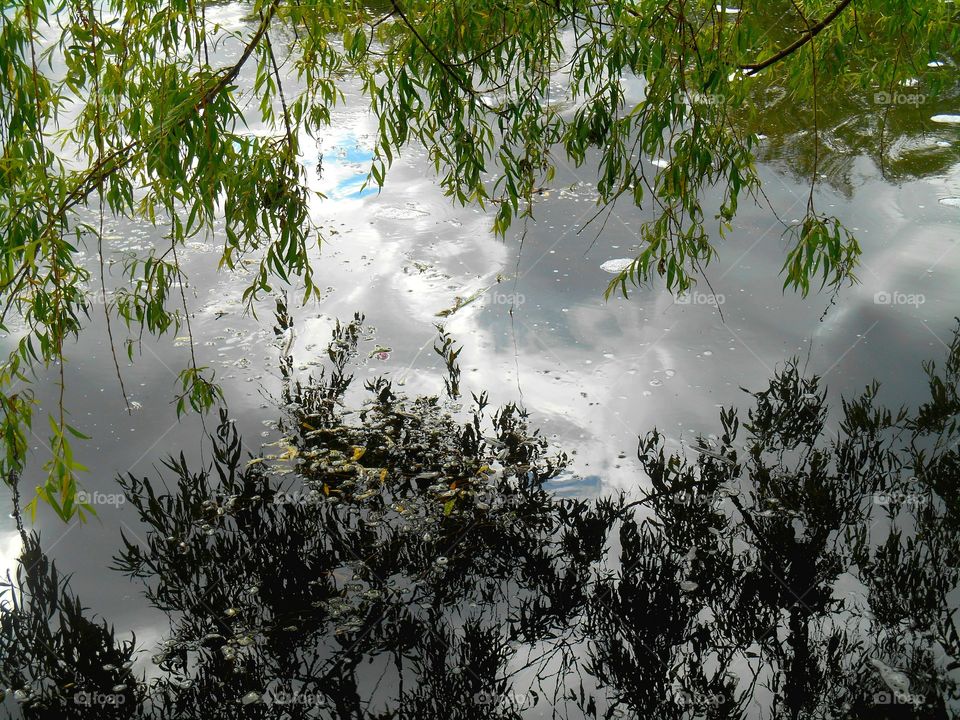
{"x":896,"y":680}
{"x":250,"y":698}
{"x":712,"y":454}
{"x":214,"y":639}
{"x":688,"y":586}
{"x":461,"y":302}
{"x":946,"y":119}
{"x":950,"y":201}
{"x":615,"y":267}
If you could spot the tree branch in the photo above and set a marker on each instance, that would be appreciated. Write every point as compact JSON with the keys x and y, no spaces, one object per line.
{"x":809,"y":35}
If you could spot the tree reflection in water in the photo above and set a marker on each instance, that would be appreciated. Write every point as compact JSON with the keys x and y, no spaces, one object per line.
{"x":391,"y":560}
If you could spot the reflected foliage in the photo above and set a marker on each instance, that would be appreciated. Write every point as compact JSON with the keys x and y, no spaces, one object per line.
{"x":403,"y":557}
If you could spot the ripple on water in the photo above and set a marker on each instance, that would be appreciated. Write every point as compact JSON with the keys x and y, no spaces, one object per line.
{"x":408,"y":211}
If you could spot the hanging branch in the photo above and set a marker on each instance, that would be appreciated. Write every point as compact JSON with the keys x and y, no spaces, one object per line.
{"x":810,"y":34}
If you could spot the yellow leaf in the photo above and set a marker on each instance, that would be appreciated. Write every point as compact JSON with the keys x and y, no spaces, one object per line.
{"x":383,"y":475}
{"x":358,"y":453}
{"x":255,"y":461}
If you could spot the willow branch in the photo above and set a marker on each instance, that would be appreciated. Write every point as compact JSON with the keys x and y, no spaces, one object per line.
{"x":809,"y":35}
{"x":107,"y":165}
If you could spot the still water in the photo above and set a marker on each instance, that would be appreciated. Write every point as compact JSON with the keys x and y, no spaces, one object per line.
{"x":535,"y":330}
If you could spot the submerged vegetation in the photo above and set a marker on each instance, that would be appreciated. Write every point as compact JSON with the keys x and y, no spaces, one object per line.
{"x":126,"y":109}
{"x":399,"y":557}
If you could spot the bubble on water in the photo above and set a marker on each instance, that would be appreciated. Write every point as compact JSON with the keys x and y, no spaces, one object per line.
{"x":669,"y":373}
{"x":656,"y":382}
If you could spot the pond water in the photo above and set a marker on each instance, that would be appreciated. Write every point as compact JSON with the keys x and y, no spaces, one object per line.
{"x":535,"y":330}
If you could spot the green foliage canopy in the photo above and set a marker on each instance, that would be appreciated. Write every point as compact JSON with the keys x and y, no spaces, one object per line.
{"x":123,"y":108}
